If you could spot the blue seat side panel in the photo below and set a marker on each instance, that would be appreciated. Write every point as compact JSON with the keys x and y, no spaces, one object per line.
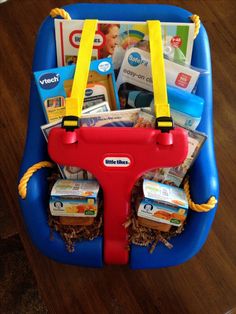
{"x":34,"y":207}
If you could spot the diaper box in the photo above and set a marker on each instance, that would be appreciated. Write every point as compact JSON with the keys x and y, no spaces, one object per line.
{"x":74,"y":198}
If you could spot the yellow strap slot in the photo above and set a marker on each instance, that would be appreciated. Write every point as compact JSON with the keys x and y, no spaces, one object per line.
{"x":74,"y":103}
{"x":161,"y":106}
{"x":70,"y":123}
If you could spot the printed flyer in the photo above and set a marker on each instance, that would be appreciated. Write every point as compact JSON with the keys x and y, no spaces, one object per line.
{"x":113,"y":38}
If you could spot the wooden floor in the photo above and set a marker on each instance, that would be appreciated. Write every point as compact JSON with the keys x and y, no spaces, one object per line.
{"x":205,"y":284}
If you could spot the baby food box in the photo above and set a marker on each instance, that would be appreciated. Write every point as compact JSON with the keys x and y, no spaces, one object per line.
{"x":74,"y":198}
{"x":113,"y":38}
{"x":163,"y":203}
{"x":54,"y":85}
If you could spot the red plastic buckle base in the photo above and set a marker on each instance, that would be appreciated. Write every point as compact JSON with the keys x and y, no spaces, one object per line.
{"x":165,"y":139}
{"x":70,"y":124}
{"x":70,"y":137}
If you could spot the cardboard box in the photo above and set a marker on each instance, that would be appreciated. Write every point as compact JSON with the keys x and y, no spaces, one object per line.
{"x":135,"y":73}
{"x":163,"y":203}
{"x":74,"y":198}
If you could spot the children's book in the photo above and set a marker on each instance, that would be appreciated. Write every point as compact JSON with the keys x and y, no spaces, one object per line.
{"x":113,"y":38}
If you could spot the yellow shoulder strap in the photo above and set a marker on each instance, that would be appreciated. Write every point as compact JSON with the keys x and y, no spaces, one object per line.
{"x":161,"y":106}
{"x":74,"y":103}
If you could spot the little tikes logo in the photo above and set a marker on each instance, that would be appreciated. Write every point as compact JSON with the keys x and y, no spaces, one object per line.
{"x":117,"y":162}
{"x":135,"y":59}
{"x":49,"y":80}
{"x":75,"y":38}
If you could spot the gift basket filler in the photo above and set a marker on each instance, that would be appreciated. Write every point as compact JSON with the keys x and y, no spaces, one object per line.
{"x":119,"y":162}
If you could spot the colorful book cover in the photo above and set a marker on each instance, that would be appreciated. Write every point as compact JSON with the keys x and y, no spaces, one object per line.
{"x":113,"y":38}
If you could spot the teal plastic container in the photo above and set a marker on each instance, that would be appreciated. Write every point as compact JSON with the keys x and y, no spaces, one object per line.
{"x":186,"y":108}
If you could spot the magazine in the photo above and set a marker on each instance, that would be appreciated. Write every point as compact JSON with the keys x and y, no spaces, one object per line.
{"x":113,"y":38}
{"x":172,"y":176}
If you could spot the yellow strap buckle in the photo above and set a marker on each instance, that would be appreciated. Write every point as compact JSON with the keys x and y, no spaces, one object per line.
{"x":74,"y":103}
{"x":161,"y":107}
{"x":70,"y":123}
{"x":165,"y":124}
